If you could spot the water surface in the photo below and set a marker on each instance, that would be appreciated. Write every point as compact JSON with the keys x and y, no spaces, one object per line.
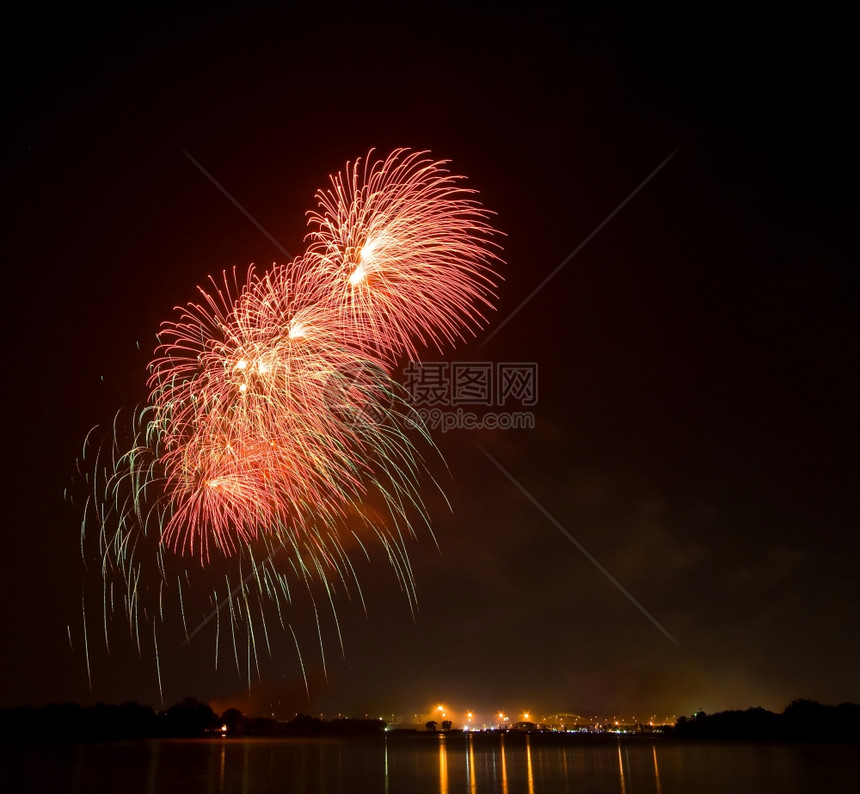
{"x":436,"y":764}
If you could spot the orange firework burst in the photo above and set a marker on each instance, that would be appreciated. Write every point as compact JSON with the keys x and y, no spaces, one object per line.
{"x":403,"y":252}
{"x":239,"y":387}
{"x":273,"y":417}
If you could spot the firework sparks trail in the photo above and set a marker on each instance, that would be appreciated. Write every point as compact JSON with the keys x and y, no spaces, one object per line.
{"x":273,"y":420}
{"x":403,"y":252}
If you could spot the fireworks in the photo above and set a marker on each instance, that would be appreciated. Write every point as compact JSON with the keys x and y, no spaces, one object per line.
{"x":273,"y":421}
{"x":405,"y":250}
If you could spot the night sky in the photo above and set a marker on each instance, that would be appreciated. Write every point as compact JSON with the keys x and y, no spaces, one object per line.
{"x":695,"y":429}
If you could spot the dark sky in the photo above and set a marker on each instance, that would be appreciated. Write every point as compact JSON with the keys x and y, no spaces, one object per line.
{"x":695,"y":429}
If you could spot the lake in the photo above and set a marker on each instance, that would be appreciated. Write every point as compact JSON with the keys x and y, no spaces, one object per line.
{"x":432,"y":763}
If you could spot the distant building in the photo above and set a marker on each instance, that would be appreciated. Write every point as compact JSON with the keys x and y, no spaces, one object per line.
{"x":524,"y":726}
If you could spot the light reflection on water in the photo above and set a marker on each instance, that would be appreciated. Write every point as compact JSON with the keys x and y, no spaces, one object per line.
{"x":432,"y":763}
{"x":472,"y":779}
{"x":443,"y":765}
{"x":529,"y":772}
{"x":504,"y":768}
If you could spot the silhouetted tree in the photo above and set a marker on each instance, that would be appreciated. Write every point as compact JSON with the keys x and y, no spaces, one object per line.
{"x":430,"y":725}
{"x":446,"y":725}
{"x":231,"y":718}
{"x":189,"y":717}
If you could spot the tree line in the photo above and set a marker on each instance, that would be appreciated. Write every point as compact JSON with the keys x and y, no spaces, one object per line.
{"x":801,"y":721}
{"x":70,"y":722}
